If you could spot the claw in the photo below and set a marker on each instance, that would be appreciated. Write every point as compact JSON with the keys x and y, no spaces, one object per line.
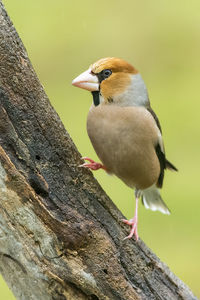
{"x":92,"y":165}
{"x":133,"y":223}
{"x":87,"y":158}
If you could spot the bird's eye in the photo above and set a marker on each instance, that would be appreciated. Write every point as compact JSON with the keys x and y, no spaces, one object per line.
{"x":106,"y":73}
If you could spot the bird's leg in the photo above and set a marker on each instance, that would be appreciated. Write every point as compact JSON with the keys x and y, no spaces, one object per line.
{"x":134,"y":221}
{"x":92,"y":165}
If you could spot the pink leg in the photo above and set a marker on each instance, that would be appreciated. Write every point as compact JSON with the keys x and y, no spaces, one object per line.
{"x":92,"y":165}
{"x":133,"y":223}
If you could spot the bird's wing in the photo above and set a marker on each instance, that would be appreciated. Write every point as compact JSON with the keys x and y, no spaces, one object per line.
{"x":160,"y":151}
{"x":162,"y":160}
{"x":155,"y":117}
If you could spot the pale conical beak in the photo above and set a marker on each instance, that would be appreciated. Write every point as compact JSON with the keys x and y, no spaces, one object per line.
{"x":87,"y":81}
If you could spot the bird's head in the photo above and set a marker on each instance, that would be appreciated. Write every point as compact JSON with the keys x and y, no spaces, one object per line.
{"x":113,"y":80}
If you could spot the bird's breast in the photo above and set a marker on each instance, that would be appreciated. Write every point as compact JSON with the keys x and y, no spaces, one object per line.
{"x":124,"y":139}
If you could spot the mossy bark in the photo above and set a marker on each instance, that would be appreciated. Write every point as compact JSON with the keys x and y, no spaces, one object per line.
{"x":60,"y":235}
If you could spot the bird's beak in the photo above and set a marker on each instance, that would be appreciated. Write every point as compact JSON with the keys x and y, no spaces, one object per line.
{"x":87,"y":81}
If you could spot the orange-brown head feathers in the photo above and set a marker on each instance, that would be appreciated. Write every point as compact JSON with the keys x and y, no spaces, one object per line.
{"x":119,"y":79}
{"x":114,"y":64}
{"x":113,"y":80}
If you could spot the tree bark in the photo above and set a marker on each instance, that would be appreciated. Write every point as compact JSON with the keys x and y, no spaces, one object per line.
{"x":60,"y":235}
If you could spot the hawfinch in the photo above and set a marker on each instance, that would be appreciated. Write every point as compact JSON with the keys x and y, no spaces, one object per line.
{"x":125,"y":132}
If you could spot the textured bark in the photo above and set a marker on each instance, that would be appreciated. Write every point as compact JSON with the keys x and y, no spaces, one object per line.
{"x":60,"y":235}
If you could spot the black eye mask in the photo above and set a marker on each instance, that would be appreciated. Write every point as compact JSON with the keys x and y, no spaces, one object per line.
{"x":104,"y":74}
{"x":101,"y":76}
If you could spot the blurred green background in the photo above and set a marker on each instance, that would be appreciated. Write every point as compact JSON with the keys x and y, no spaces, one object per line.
{"x":161,"y":38}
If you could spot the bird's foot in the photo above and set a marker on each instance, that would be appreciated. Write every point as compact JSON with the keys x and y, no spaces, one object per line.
{"x":92,"y":165}
{"x":133,"y":223}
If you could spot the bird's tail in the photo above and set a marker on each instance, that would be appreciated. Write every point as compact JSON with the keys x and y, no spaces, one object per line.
{"x":152,"y":200}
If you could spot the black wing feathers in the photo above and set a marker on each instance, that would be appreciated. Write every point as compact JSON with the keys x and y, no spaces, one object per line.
{"x":170,"y":166}
{"x":162,"y":160}
{"x":164,"y":163}
{"x":155,"y":117}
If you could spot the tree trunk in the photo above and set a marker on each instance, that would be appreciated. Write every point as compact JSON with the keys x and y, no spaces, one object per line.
{"x":60,"y":235}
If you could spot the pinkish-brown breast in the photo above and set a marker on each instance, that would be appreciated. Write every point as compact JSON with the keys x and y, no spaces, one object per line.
{"x":124,"y":139}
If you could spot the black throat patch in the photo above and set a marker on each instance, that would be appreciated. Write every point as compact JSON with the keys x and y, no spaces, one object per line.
{"x":96,"y":99}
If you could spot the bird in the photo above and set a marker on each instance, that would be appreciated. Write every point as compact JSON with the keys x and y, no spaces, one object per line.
{"x":125,"y":132}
